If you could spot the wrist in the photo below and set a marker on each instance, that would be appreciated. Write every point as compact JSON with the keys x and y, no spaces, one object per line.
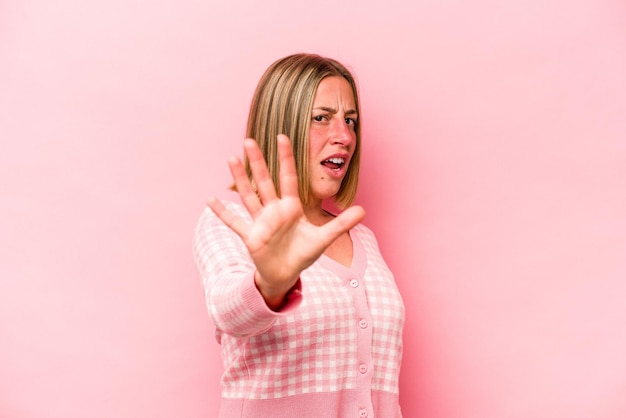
{"x":274,"y":296}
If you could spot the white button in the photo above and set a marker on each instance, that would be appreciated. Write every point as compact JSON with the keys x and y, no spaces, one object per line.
{"x":362,"y":412}
{"x":363,"y":323}
{"x":354,"y":283}
{"x":363,"y":368}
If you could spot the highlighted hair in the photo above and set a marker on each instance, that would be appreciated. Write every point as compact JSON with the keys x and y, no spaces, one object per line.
{"x":282,"y":104}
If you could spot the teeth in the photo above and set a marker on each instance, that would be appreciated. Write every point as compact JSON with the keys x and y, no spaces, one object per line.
{"x":336,"y":160}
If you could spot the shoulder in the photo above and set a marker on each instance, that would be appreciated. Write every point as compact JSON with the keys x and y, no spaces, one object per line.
{"x":208,"y":218}
{"x":366,"y":238}
{"x":210,"y":228}
{"x":364,"y":232}
{"x":213,"y":240}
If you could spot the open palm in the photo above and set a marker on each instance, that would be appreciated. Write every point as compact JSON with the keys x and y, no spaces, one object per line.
{"x":281,"y":241}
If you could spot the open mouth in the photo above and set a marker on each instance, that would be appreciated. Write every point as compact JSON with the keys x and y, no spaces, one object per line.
{"x":334,"y":163}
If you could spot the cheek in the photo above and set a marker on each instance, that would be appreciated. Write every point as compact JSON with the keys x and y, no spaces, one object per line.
{"x":315,"y":145}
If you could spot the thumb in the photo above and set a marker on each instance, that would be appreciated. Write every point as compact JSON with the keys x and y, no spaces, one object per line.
{"x":343,"y":222}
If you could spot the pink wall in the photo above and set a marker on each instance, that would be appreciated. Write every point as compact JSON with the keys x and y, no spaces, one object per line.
{"x":494,"y":176}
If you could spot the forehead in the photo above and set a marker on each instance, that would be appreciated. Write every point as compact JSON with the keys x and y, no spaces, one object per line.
{"x":333,"y":90}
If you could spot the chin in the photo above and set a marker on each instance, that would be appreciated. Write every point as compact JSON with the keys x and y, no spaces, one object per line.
{"x":325,"y":189}
{"x":324,"y":194}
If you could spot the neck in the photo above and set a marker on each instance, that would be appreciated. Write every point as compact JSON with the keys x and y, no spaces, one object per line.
{"x":315,"y":214}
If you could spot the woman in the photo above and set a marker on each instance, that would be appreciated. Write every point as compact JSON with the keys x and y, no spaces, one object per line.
{"x":306,"y":311}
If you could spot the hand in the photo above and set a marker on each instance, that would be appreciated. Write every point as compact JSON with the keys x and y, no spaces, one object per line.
{"x":281,"y":241}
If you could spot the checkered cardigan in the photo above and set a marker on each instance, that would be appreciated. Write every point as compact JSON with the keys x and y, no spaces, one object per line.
{"x":335,"y":348}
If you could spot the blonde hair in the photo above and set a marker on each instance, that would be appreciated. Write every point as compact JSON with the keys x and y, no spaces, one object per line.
{"x":282,"y":104}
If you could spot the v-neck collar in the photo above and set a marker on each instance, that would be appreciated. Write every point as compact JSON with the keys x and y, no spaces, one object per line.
{"x":359,"y":260}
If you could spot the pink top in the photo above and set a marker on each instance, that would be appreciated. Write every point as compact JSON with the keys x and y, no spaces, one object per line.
{"x":334,"y":350}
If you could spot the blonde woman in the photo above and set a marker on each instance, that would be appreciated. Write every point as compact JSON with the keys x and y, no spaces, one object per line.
{"x":306,"y":311}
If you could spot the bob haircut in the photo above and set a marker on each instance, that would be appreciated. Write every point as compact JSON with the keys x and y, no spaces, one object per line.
{"x":282,"y":104}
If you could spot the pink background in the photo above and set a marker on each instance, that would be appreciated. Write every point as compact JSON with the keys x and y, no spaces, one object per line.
{"x":494,"y":171}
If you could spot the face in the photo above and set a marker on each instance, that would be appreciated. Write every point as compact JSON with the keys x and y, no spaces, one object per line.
{"x":332,"y":136}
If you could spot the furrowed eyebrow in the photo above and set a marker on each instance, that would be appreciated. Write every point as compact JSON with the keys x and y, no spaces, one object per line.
{"x":333,"y":111}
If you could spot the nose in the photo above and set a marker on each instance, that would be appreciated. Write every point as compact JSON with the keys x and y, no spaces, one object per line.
{"x":341,"y":133}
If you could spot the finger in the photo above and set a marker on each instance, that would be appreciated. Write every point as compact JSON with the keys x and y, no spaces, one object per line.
{"x":247,"y":194}
{"x":231,"y":220}
{"x":260,"y":173}
{"x":345,"y":221}
{"x":288,"y":174}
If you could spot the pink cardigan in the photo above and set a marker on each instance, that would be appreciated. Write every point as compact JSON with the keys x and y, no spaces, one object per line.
{"x":333,"y":351}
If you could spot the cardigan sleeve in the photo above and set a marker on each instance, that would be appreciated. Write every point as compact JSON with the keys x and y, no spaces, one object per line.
{"x":235,"y":304}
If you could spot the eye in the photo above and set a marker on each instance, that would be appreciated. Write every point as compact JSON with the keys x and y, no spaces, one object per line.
{"x":350,"y":121}
{"x":319,"y":118}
